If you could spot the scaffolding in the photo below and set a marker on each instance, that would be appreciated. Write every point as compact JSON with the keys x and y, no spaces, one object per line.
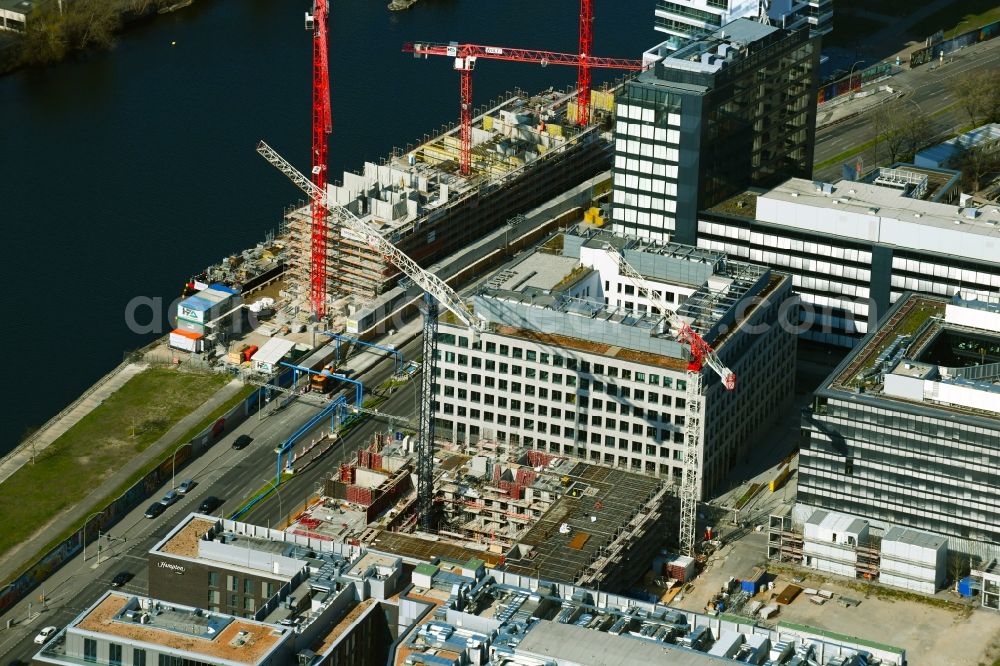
{"x":418,"y":201}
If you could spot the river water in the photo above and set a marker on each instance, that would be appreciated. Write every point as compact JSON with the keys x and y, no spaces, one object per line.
{"x":123,"y":173}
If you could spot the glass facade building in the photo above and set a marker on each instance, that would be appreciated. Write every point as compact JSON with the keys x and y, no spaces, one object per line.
{"x":920,"y":463}
{"x":732,"y":110}
{"x":848,"y":277}
{"x":684,"y":20}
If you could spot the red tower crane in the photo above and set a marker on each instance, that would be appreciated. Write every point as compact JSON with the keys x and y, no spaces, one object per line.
{"x":465,"y":56}
{"x":583,"y":68}
{"x":322,"y":125}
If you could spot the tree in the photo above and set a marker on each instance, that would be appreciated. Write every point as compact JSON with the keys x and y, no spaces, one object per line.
{"x":902,"y":127}
{"x":958,"y":566}
{"x":44,"y":35}
{"x":978,"y":93}
{"x":92,"y":23}
{"x":975,"y":162}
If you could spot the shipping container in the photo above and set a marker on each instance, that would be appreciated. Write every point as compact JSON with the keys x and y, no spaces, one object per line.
{"x":186,"y":340}
{"x":753,"y":584}
{"x":249,"y":352}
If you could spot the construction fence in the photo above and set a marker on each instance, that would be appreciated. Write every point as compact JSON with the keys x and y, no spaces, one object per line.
{"x":853,"y":82}
{"x":938,"y":48}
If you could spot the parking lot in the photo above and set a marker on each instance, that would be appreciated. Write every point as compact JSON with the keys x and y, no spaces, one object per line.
{"x":931,"y":634}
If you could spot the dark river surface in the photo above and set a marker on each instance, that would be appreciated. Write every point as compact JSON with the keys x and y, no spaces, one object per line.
{"x":125,"y":172}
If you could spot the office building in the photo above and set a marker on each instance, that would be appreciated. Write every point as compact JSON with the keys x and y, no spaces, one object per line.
{"x":684,"y":20}
{"x":853,"y":248}
{"x":906,"y":430}
{"x":575,"y":360}
{"x":501,"y":618}
{"x":14,"y":14}
{"x":441,"y":612}
{"x":734,"y":109}
{"x":123,"y":630}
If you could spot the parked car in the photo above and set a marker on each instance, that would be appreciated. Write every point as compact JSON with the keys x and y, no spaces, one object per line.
{"x":242,"y":442}
{"x":170,"y":497}
{"x":185,"y":486}
{"x":209,"y":504}
{"x":45,"y":634}
{"x":120,"y":580}
{"x":155,"y":509}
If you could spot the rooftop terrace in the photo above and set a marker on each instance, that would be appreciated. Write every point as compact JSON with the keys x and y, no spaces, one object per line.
{"x":927,"y":353}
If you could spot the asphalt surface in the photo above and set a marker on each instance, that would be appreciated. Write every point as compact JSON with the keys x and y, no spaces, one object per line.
{"x":926,"y":91}
{"x":232,"y":476}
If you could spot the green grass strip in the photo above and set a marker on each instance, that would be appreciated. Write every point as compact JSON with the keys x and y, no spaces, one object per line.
{"x":141,"y":473}
{"x":850,"y":152}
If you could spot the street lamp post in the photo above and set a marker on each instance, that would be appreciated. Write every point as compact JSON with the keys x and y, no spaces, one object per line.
{"x":173,"y":465}
{"x":850,"y":76}
{"x":85,"y":523}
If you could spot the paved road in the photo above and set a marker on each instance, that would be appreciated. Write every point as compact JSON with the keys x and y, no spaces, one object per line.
{"x":926,"y":91}
{"x":296,"y":491}
{"x":79,"y":582}
{"x":230,"y":475}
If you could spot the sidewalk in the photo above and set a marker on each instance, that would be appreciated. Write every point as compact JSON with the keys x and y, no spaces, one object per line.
{"x":850,"y":105}
{"x":69,"y":417}
{"x":26,"y":552}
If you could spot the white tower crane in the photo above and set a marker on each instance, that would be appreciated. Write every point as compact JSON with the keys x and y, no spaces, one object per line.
{"x":436,"y":291}
{"x":701,"y":354}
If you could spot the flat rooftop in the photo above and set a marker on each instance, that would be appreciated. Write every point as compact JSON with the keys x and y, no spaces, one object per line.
{"x":185,"y":540}
{"x":241,"y":547}
{"x":561,"y":294}
{"x":578,"y":645}
{"x":21,"y":6}
{"x":720,"y":48}
{"x":178,"y":628}
{"x":883,"y":214}
{"x":921,"y":343}
{"x":538,"y":271}
{"x":610,"y":496}
{"x":837,"y":522}
{"x":328,"y":639}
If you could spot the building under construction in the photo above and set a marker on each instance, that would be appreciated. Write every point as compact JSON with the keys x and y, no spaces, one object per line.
{"x":523,"y":511}
{"x":525,"y":150}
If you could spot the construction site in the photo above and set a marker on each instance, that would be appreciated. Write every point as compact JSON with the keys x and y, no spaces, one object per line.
{"x":522,"y":511}
{"x":361,"y":247}
{"x":524,"y":152}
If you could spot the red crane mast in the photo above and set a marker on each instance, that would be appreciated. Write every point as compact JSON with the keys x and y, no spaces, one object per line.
{"x":322,"y":125}
{"x":583,"y":68}
{"x":465,"y":56}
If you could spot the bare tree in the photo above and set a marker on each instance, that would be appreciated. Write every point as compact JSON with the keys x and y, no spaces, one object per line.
{"x":976,"y":162}
{"x":92,"y":23}
{"x":902,"y":128}
{"x":44,"y":35}
{"x":978,"y":93}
